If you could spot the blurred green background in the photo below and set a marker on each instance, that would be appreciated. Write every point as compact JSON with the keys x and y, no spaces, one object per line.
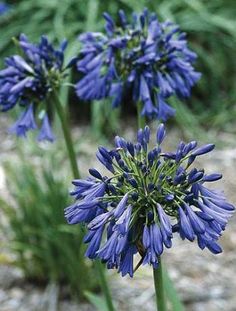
{"x":211,"y":29}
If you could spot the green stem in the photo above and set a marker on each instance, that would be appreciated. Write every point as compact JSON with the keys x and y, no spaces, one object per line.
{"x":67,"y":135}
{"x":75,"y":170}
{"x":104,"y":285}
{"x":159,"y":287}
{"x":97,"y":118}
{"x":104,"y":119}
{"x":141,"y":119}
{"x":171,"y":293}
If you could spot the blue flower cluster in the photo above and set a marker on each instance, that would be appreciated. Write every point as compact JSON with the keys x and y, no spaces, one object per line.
{"x":4,"y":8}
{"x":148,"y":196}
{"x":28,"y":79}
{"x":146,"y":59}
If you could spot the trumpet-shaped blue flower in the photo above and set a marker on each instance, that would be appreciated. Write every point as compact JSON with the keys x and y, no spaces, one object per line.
{"x":45,"y":132}
{"x":24,"y":123}
{"x":149,"y":196}
{"x":28,"y":80}
{"x":147,"y":59}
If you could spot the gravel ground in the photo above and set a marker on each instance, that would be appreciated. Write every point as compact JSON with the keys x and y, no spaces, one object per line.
{"x":204,"y":281}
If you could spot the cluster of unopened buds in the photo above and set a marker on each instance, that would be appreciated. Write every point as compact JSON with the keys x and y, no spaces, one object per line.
{"x":148,"y":196}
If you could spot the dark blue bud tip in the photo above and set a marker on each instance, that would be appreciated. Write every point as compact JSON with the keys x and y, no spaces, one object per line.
{"x":203,"y":150}
{"x":95,"y":173}
{"x":126,"y":175}
{"x":191,"y":159}
{"x":105,"y":153}
{"x":151,"y":156}
{"x":130,"y":148}
{"x":169,"y":197}
{"x":150,"y":216}
{"x":117,"y":156}
{"x":134,"y":196}
{"x":133,"y":182}
{"x":195,"y":177}
{"x":107,"y":17}
{"x":121,"y":163}
{"x":126,"y":169}
{"x":140,"y":136}
{"x":119,"y":184}
{"x":137,"y":147}
{"x":160,"y":133}
{"x":112,"y":188}
{"x":151,"y":187}
{"x":146,"y":133}
{"x":212,"y":177}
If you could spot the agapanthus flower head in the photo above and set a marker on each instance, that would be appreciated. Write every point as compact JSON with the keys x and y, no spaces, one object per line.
{"x":28,"y":80}
{"x":149,"y":196}
{"x":145,"y":58}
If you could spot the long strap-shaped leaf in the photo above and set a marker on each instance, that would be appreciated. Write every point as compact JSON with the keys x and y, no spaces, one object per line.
{"x":171,"y":293}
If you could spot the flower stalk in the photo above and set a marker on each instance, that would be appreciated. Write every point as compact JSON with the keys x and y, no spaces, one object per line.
{"x":67,"y":135}
{"x":159,"y":287}
{"x":104,"y":285}
{"x":141,"y":118}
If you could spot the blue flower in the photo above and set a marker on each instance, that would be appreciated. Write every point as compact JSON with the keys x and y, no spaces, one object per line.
{"x":4,"y":8}
{"x":25,"y":123}
{"x":28,"y":81}
{"x":150,"y":196}
{"x":94,"y":239}
{"x":126,"y":265}
{"x":46,"y":131}
{"x":147,"y":59}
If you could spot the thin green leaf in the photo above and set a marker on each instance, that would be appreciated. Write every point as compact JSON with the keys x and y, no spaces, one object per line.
{"x":97,"y":301}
